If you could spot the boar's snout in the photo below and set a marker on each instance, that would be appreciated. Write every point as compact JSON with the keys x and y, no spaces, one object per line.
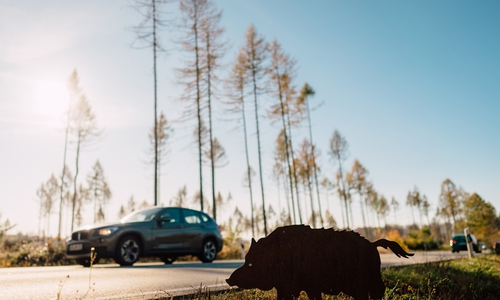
{"x":230,"y":281}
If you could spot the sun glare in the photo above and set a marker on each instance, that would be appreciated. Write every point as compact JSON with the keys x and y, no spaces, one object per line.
{"x":50,"y":101}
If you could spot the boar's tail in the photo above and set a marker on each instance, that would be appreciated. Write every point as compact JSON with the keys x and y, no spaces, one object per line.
{"x":395,"y":247}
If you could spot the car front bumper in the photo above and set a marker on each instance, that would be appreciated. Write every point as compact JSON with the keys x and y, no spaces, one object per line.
{"x":80,"y":249}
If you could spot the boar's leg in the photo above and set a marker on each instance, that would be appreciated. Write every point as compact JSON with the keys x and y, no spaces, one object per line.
{"x":285,"y":294}
{"x":361,"y":294}
{"x":314,"y":295}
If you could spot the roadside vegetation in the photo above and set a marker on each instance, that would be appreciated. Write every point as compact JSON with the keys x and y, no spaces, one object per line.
{"x":25,"y":251}
{"x":471,"y":279}
{"x":31,"y":252}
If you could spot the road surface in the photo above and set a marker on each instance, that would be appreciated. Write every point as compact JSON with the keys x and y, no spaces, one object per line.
{"x":143,"y":280}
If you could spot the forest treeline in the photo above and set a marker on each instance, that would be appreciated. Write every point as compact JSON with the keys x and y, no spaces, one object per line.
{"x":260,"y":68}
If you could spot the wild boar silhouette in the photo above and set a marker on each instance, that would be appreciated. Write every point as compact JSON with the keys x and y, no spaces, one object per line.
{"x":297,"y":258}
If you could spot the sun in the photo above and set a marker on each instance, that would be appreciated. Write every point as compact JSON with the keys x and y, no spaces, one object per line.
{"x":50,"y":101}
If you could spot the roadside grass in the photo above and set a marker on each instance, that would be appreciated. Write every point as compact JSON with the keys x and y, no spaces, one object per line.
{"x":474,"y":279}
{"x":52,"y":252}
{"x":30,"y":253}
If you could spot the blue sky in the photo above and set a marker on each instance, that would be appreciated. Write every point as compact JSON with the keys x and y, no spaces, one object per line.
{"x":413,"y":86}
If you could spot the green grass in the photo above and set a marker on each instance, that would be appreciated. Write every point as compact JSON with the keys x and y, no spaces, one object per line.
{"x":478,"y":278}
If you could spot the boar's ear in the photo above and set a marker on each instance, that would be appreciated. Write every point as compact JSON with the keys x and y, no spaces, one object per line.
{"x":253,"y":242}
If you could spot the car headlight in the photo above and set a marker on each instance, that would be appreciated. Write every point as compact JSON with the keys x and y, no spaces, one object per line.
{"x":107,"y":231}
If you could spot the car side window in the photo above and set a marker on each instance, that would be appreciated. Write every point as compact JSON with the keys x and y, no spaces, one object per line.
{"x":204,"y":217}
{"x":191,"y":217}
{"x":171,"y":216}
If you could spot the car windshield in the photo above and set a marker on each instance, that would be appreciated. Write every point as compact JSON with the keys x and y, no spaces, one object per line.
{"x":141,"y":215}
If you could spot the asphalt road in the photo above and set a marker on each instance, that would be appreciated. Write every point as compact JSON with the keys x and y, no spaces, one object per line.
{"x":142,"y":281}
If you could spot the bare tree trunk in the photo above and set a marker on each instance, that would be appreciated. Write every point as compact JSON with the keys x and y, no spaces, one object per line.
{"x":209,"y":65}
{"x":343,"y":191}
{"x":73,"y":202}
{"x":198,"y":104}
{"x":309,"y":186}
{"x":258,"y":147}
{"x":350,"y":210}
{"x":287,"y":146}
{"x":62,"y":180}
{"x":314,"y":162}
{"x":287,"y":192}
{"x":294,"y":169}
{"x":155,"y":106}
{"x":248,"y":163}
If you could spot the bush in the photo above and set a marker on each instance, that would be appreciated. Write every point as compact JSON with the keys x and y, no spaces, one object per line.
{"x":393,"y":235}
{"x":30,"y":253}
{"x":421,"y":240}
{"x":231,"y":249}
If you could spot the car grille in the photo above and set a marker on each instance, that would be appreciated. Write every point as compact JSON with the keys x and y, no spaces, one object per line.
{"x":80,"y":235}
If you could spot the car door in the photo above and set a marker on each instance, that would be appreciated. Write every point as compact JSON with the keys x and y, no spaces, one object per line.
{"x":194,"y":229}
{"x":167,"y":232}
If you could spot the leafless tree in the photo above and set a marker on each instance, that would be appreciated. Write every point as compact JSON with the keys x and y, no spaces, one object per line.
{"x":122,"y":213}
{"x":330,"y":220}
{"x":99,"y":191}
{"x":305,"y":163}
{"x":415,"y":199}
{"x":64,"y":194}
{"x":255,"y":53}
{"x":213,"y":51}
{"x":80,"y":198}
{"x":281,"y":72}
{"x":147,"y":36}
{"x":357,"y":180}
{"x":159,"y":147}
{"x":303,"y":100}
{"x":450,"y":202}
{"x":282,"y":158}
{"x":4,"y":227}
{"x":48,"y":194}
{"x":131,"y":204}
{"x":217,"y":154}
{"x":191,"y":75}
{"x":327,"y":186}
{"x":84,"y":130}
{"x":339,"y":150}
{"x":181,"y":198}
{"x":395,"y":208}
{"x":74,"y":91}
{"x":52,"y":190}
{"x":235,"y":87}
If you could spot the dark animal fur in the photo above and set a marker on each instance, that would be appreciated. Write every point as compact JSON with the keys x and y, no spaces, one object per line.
{"x":297,"y":258}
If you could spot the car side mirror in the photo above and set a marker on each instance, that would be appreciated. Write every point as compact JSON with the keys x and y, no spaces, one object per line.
{"x":165,"y":219}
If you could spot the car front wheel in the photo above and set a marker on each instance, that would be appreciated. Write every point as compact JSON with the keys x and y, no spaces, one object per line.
{"x":208,"y":251}
{"x":128,"y":251}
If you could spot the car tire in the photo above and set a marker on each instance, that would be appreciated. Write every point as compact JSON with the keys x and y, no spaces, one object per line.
{"x":167,"y":259}
{"x":128,"y":251}
{"x":208,"y":251}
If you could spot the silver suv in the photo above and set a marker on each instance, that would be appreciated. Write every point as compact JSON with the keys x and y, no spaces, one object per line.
{"x":164,"y":232}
